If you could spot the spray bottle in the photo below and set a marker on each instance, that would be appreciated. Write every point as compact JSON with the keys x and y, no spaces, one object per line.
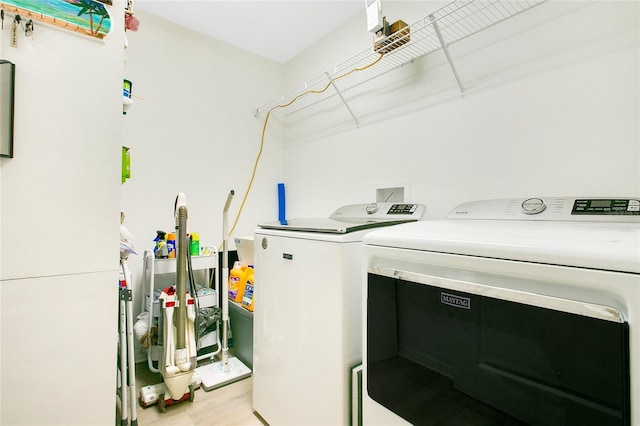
{"x":161,"y":251}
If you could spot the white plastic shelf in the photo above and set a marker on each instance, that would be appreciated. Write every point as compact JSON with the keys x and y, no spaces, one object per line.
{"x":168,"y":266}
{"x":453,"y":22}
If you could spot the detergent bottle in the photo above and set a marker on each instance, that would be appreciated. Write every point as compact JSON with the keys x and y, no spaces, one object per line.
{"x":248,"y":297}
{"x":171,"y":245}
{"x":194,"y":245}
{"x":237,"y":281}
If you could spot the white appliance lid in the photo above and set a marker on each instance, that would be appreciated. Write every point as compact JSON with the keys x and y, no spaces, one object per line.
{"x":354,"y":217}
{"x":612,"y":247}
{"x":326,"y":225}
{"x":605,"y":245}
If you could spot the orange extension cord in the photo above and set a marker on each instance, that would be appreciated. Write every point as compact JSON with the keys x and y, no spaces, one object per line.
{"x":264,"y":129}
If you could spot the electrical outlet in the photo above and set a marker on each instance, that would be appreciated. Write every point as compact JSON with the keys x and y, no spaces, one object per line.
{"x":390,"y":195}
{"x":374,"y":15}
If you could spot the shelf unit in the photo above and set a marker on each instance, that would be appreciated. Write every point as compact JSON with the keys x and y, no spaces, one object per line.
{"x":453,"y":22}
{"x":208,"y":297}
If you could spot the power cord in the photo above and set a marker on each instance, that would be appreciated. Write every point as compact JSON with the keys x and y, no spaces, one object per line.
{"x":264,"y":129}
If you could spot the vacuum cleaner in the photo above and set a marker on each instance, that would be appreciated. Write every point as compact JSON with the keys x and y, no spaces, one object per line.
{"x":179,"y":355}
{"x":127,"y":357}
{"x":228,"y":369}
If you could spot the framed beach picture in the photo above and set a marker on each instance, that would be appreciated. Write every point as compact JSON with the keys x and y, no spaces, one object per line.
{"x":87,"y":17}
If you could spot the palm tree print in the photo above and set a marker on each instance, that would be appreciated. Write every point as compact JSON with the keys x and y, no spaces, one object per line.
{"x":82,"y":16}
{"x":91,"y":8}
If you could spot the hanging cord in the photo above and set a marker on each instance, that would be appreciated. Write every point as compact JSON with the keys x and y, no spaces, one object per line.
{"x":264,"y":129}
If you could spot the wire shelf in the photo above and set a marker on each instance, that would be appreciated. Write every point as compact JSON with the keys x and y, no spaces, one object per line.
{"x":453,"y":22}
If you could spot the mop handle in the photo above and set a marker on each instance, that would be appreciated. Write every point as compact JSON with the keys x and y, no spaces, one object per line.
{"x":225,"y":278}
{"x":225,"y":226}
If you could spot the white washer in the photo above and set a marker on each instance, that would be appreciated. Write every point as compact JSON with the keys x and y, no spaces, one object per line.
{"x":506,"y":312}
{"x":307,"y":315}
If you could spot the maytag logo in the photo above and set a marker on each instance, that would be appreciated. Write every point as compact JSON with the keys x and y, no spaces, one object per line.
{"x":457,"y":301}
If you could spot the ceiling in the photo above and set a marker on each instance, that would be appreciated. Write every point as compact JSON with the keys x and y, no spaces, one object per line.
{"x":275,"y":29}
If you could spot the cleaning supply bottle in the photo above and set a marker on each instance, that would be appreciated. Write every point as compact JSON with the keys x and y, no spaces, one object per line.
{"x":194,"y":245}
{"x":248,"y":297}
{"x":237,"y":281}
{"x":161,"y":251}
{"x":171,"y":245}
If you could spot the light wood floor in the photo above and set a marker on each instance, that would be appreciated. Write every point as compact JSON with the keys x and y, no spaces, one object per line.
{"x":228,"y":405}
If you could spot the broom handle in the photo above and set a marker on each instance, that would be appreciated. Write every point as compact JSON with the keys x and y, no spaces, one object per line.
{"x":225,"y":226}
{"x":225,"y":279}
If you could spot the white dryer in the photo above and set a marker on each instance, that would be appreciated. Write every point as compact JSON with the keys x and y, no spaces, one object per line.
{"x":506,"y":312}
{"x":307,"y":315}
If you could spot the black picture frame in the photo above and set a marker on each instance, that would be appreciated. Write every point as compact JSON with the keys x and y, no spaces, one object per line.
{"x":7,"y":98}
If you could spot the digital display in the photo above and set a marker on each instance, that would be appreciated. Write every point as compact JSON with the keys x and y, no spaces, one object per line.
{"x":601,"y":207}
{"x":402,"y":209}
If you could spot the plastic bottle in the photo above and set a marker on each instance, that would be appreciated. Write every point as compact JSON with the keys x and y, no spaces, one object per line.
{"x":247,"y":298}
{"x":171,"y":245}
{"x":194,"y":246}
{"x":161,"y":250}
{"x":237,"y":281}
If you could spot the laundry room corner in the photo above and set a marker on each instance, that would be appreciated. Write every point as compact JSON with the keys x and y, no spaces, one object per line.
{"x":191,"y":131}
{"x":387,"y":212}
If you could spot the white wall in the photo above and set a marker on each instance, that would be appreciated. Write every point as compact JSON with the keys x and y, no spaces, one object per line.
{"x":59,"y":210}
{"x":195,"y":132}
{"x":551,"y":107}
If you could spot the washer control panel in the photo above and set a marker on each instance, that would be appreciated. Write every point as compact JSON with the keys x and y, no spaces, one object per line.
{"x":596,"y":209}
{"x":614,"y":206}
{"x":380,"y":211}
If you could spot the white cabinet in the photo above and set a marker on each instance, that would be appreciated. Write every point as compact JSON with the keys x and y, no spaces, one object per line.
{"x":207,"y":296}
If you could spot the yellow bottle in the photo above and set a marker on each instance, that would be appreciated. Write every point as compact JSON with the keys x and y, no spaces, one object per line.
{"x":171,"y":244}
{"x":237,"y":281}
{"x":247,"y":298}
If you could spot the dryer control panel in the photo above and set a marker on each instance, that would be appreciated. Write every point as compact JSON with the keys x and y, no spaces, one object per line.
{"x":606,"y":207}
{"x":583,"y":209}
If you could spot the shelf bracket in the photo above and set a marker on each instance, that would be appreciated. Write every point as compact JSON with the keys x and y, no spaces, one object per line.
{"x":342,"y":98}
{"x":436,"y":28}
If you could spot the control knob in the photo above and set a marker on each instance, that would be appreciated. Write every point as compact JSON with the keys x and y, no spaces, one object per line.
{"x":533,"y":206}
{"x":372,"y":208}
